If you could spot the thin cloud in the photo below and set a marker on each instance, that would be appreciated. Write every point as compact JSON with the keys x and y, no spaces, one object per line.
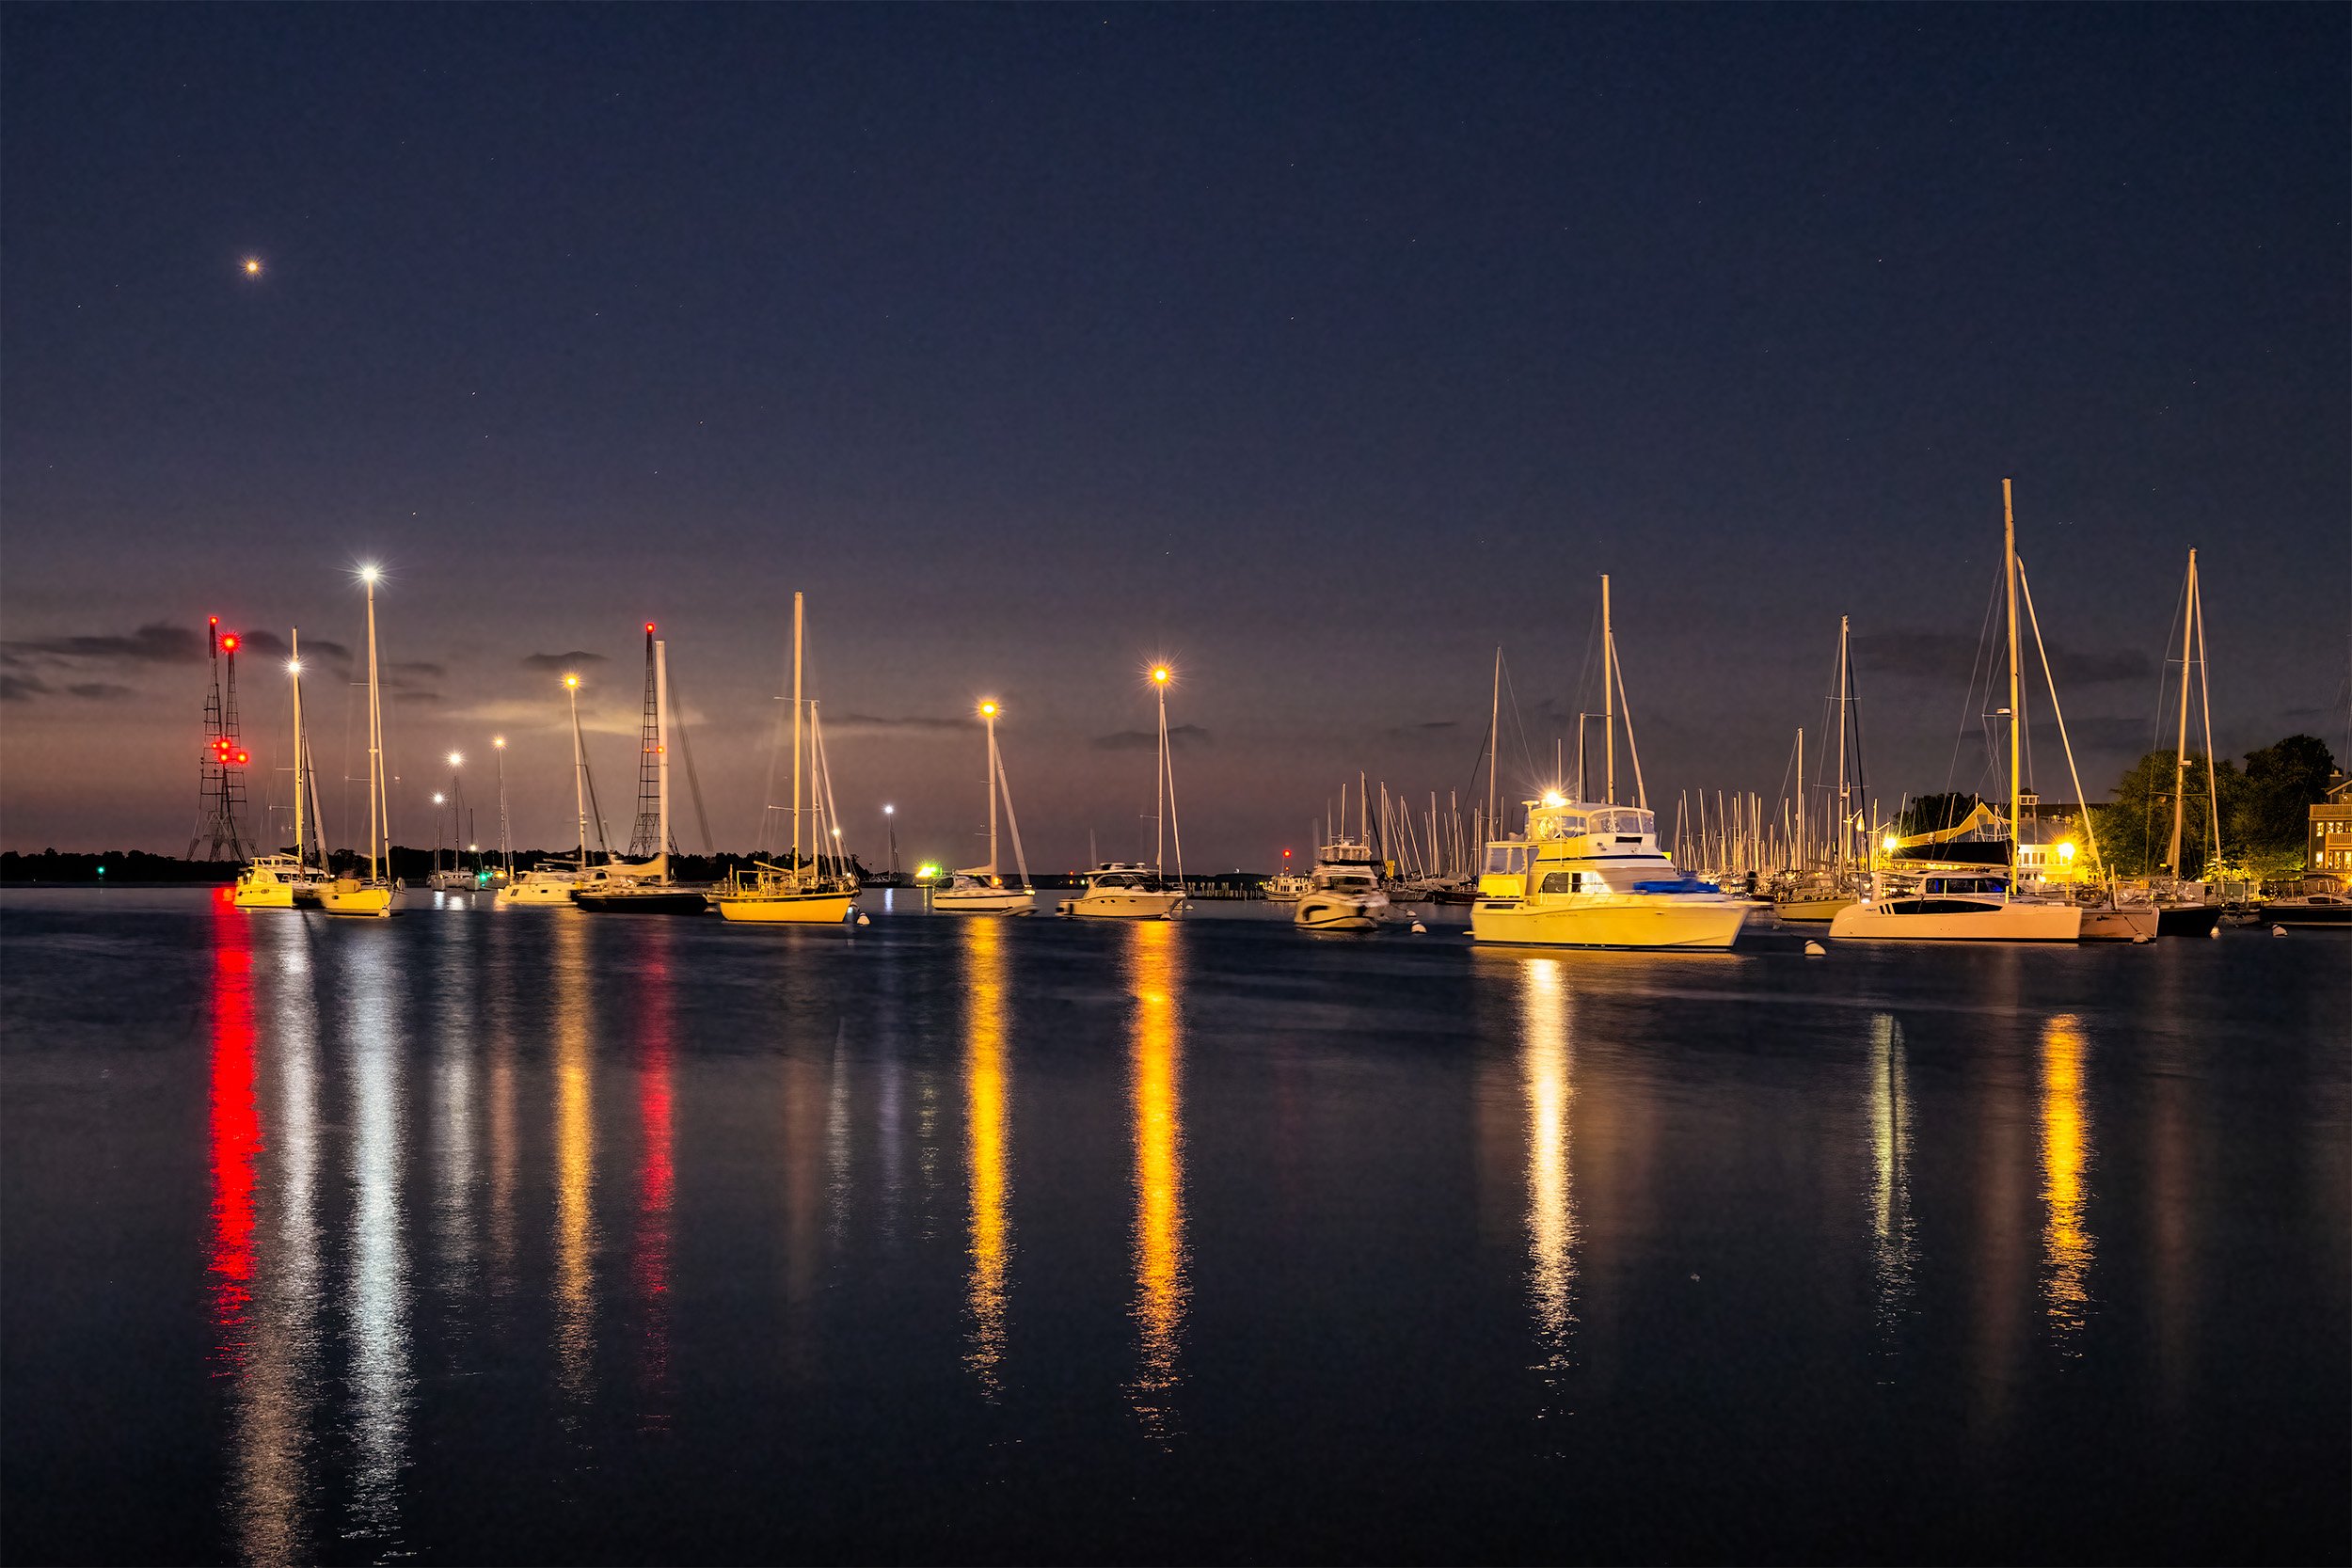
{"x":1949,"y":656}
{"x":1179,"y":736}
{"x":158,"y":642}
{"x":555,"y":664}
{"x":870,"y":723}
{"x":424,"y":667}
{"x":269,"y":642}
{"x":22,"y":689}
{"x":100,"y":692}
{"x":1426,"y":729}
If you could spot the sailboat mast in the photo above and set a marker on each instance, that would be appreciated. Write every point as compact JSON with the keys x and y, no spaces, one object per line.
{"x":988,"y":712}
{"x":294,"y":666}
{"x":579,"y":767}
{"x":2016,"y":719}
{"x":1608,"y":697}
{"x":375,"y":744}
{"x":1800,"y":800}
{"x":662,"y":752}
{"x":1494,"y":743}
{"x":2180,"y":746}
{"x":796,"y":731}
{"x":1845,"y":806}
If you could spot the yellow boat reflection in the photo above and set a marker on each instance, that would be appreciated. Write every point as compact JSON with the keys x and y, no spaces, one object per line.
{"x":1548,"y":1074}
{"x":2066,"y":1244}
{"x":1161,"y":1287}
{"x":987,"y":1137}
{"x":575,"y":1165}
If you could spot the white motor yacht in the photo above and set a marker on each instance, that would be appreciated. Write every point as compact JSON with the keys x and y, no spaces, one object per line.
{"x":1343,"y":892}
{"x":1285,"y":887}
{"x":1119,"y":891}
{"x":541,"y":887}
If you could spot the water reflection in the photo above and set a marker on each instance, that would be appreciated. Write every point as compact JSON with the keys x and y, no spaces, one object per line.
{"x":1548,"y":1071}
{"x":376,"y":1298}
{"x":1893,"y":1245}
{"x":273,"y":1479}
{"x":987,"y":1135}
{"x":575,"y":1165}
{"x":2066,"y":1244}
{"x":236,"y":1134}
{"x":1163,"y":1287}
{"x":649,"y":1247}
{"x":455,"y":1131}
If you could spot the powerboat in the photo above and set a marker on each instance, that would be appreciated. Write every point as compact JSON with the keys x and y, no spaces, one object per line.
{"x":1285,"y":887}
{"x":540,"y":888}
{"x":1589,"y":874}
{"x":268,"y":883}
{"x":1119,"y":891}
{"x":1343,"y":892}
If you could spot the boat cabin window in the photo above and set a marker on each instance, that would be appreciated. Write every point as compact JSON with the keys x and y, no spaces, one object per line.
{"x":1624,"y":819}
{"x":1963,"y":884}
{"x":1506,"y":860}
{"x":1563,"y":881}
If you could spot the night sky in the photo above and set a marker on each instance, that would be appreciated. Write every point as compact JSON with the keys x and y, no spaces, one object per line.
{"x":1319,"y":350}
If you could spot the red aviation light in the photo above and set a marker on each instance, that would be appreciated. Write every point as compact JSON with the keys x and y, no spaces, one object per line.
{"x":649,"y":629}
{"x":228,"y":642}
{"x":241,"y":759}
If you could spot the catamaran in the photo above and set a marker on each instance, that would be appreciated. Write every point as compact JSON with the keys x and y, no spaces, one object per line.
{"x":981,"y":889}
{"x":1591,"y":873}
{"x":371,"y":895}
{"x":800,"y":893}
{"x":1958,"y":903}
{"x":1118,"y":890}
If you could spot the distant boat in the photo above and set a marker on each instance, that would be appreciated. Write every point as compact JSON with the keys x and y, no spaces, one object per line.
{"x":801,"y":893}
{"x":1116,"y":890}
{"x":550,"y":885}
{"x":371,"y":895}
{"x":1343,"y":892}
{"x":980,"y":889}
{"x":282,"y":882}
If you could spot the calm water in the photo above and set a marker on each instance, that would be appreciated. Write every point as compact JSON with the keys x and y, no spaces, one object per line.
{"x":482,"y":1235}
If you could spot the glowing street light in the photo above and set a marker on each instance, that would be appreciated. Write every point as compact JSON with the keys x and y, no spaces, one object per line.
{"x":455,"y":759}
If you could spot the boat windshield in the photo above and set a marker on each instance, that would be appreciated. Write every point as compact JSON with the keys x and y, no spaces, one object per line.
{"x":1624,"y":820}
{"x":1506,"y":860}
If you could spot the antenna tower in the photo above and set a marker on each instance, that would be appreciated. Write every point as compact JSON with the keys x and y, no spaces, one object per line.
{"x":646,"y":838}
{"x":221,"y":768}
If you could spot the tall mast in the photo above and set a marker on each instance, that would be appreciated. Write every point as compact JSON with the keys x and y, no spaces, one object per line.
{"x":661,"y":752}
{"x":506,"y":847}
{"x":2180,"y":746}
{"x":1845,"y":807}
{"x":644,"y":836}
{"x":1801,"y":798}
{"x":796,"y":731}
{"x":1494,"y":743}
{"x":580,"y":768}
{"x":376,"y":742}
{"x":1608,"y":697}
{"x":294,"y":668}
{"x":2016,"y":719}
{"x":988,"y":713}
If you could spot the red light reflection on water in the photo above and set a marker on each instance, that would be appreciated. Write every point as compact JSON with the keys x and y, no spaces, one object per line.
{"x":236,"y":1130}
{"x":649,"y":1250}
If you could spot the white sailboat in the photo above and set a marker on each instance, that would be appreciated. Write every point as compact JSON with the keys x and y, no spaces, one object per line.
{"x":1591,"y":873}
{"x":550,"y":885}
{"x":369,"y":896}
{"x":980,"y":889}
{"x":1961,"y":904}
{"x":800,"y":893}
{"x":1118,"y":890}
{"x":275,"y":882}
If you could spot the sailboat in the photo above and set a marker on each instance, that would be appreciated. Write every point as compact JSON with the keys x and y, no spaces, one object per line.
{"x":980,"y":889}
{"x":1962,"y":903}
{"x":798,"y":893}
{"x":1821,"y":892}
{"x":646,"y":887}
{"x":1121,"y":890}
{"x":546,"y":884}
{"x":371,"y":895}
{"x":2183,"y":908}
{"x":1590,"y":873}
{"x":275,"y":882}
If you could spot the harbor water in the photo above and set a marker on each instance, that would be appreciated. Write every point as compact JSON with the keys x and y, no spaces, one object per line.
{"x":492,"y":1235}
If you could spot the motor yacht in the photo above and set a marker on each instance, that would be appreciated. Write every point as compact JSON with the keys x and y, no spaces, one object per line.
{"x":1592,"y":875}
{"x":1343,"y":892}
{"x":1119,"y":891}
{"x":268,"y":883}
{"x":540,"y":888}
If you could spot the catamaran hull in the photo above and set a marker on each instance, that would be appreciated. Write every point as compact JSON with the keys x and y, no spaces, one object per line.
{"x":1987,"y":923}
{"x":1123,"y":906}
{"x":994,"y":901}
{"x":1664,"y":920}
{"x":788,"y":909}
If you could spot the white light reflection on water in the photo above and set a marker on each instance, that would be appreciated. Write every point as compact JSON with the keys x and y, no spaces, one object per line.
{"x":376,"y":1297}
{"x":1163,"y":1285}
{"x":1893,"y":1242}
{"x":2067,"y":1245}
{"x":1548,"y":1071}
{"x":454,"y":1132}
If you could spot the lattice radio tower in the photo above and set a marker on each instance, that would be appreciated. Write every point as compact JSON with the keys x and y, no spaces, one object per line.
{"x":645,"y":839}
{"x":222,"y":767}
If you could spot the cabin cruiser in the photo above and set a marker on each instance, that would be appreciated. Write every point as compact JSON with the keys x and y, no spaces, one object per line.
{"x":1118,"y":890}
{"x":268,"y":883}
{"x":1285,"y":887}
{"x":1591,"y":875}
{"x":1343,"y":892}
{"x":541,"y":887}
{"x":983,"y":893}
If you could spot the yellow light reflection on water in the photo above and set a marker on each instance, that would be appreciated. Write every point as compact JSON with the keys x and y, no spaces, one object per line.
{"x":2066,"y":1244}
{"x":1891,"y":1223}
{"x":574,"y":1163}
{"x":1548,"y":1071}
{"x":987,"y":1138}
{"x":1162,"y":1286}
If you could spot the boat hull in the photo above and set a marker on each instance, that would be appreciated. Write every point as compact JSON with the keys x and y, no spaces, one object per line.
{"x":993,"y":901}
{"x":1658,"y":921}
{"x":2139,"y":924}
{"x":787,"y":909}
{"x":2291,"y":913}
{"x":1824,"y":909}
{"x":1123,"y":906}
{"x":528,"y":895}
{"x":621,"y":899}
{"x":260,"y":895}
{"x":365,"y":901}
{"x":2187,"y":920}
{"x":1323,"y":911}
{"x":1980,"y":923}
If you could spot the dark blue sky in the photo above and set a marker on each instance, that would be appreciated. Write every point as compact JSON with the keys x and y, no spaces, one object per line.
{"x":1320,"y":348}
